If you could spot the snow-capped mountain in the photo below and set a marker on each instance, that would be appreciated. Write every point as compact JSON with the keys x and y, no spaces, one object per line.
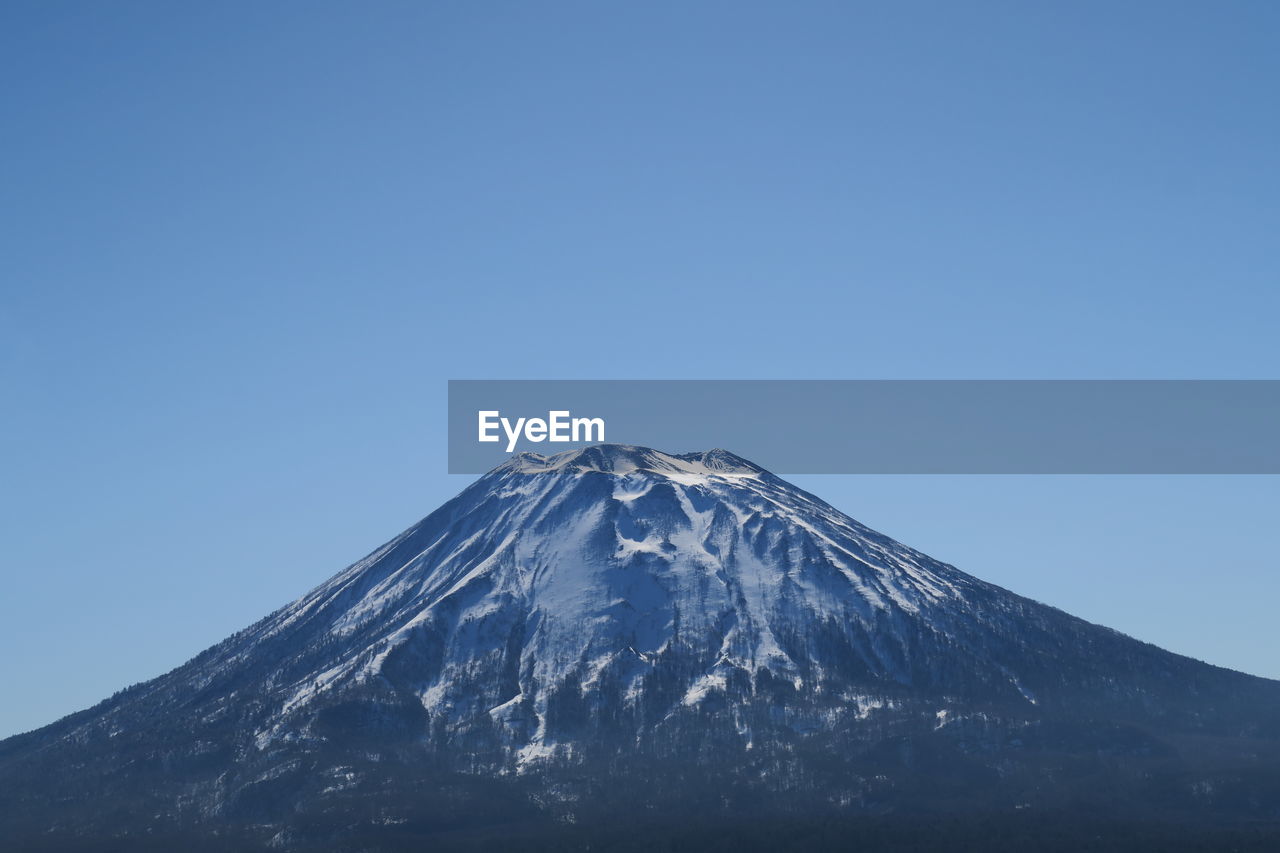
{"x":617,"y":612}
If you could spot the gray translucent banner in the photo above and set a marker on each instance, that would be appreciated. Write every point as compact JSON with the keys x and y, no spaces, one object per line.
{"x":888,"y":426}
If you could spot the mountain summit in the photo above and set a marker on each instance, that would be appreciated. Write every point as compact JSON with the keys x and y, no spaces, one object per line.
{"x":617,"y":629}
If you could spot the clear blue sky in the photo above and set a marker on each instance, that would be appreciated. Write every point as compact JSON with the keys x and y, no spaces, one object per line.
{"x":245,"y":245}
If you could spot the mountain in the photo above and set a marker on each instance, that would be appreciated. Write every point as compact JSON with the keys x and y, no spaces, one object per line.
{"x":617,"y":646}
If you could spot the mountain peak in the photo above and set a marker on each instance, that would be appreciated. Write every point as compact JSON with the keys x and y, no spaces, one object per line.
{"x":626,"y":458}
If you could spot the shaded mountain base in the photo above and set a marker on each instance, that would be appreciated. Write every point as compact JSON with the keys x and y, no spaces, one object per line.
{"x":1056,"y":785}
{"x":979,"y":833}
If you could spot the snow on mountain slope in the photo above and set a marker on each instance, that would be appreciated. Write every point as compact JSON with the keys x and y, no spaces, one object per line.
{"x":600,"y":562}
{"x":646,"y":588}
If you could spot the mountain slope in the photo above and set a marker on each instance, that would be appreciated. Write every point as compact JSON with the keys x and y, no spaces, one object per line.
{"x":621,"y":614}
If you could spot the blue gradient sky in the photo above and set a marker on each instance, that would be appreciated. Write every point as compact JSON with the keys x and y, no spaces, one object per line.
{"x":244,"y":245}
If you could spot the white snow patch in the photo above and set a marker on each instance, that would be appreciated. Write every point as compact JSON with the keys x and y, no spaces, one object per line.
{"x":703,"y":686}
